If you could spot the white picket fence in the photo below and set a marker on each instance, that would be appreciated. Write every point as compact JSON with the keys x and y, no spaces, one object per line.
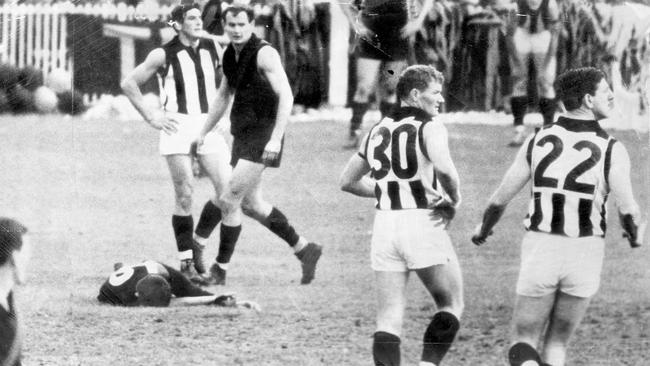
{"x":36,"y":35}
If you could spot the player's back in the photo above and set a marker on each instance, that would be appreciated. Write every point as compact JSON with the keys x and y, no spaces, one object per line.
{"x":395,"y":151}
{"x":119,"y":288}
{"x":569,"y":163}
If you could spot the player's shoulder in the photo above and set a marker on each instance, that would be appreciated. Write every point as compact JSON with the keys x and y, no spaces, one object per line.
{"x":157,"y":56}
{"x":435,"y":127}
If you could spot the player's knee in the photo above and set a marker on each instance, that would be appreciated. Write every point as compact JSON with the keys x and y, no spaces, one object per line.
{"x":249,"y":209}
{"x":362,"y":93}
{"x":227,"y":203}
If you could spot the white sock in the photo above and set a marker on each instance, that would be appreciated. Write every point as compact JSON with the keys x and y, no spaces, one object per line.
{"x":200,"y":240}
{"x":300,"y":245}
{"x":223,"y":266}
{"x":425,"y":363}
{"x":187,"y":254}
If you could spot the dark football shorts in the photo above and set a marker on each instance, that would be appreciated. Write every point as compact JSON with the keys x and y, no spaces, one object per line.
{"x":252,"y":151}
{"x":386,"y":44}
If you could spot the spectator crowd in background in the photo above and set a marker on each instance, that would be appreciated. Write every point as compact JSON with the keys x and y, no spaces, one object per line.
{"x":468,"y":40}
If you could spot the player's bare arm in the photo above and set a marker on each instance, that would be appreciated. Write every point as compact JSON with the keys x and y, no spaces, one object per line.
{"x":414,"y":25}
{"x":621,"y":187}
{"x":131,"y":88}
{"x":217,"y":108}
{"x":437,"y":145}
{"x":354,"y":177}
{"x":270,"y":65}
{"x":514,"y":180}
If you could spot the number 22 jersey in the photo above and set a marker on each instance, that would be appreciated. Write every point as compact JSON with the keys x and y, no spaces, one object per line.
{"x":569,"y":162}
{"x":394,"y":149}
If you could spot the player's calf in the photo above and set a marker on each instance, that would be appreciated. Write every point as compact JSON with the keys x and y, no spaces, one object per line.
{"x":439,"y":336}
{"x":386,"y":349}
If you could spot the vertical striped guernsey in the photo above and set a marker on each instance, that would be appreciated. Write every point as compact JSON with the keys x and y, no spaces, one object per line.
{"x":400,"y":166}
{"x":569,"y":162}
{"x":188,"y":81}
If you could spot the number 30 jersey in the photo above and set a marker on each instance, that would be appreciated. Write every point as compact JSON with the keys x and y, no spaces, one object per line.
{"x":569,"y":162}
{"x":394,"y":148}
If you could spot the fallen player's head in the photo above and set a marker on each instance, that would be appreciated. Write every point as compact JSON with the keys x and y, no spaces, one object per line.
{"x":153,"y":290}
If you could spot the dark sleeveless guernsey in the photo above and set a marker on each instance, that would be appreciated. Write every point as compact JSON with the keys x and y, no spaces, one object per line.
{"x":255,"y":106}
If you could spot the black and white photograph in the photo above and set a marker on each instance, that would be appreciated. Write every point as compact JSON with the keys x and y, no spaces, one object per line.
{"x":324,"y":182}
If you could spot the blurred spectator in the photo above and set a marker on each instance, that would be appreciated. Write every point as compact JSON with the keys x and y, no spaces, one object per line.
{"x":384,"y":30}
{"x":533,"y":40}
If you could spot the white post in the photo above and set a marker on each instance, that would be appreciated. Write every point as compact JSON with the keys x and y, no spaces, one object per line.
{"x":54,"y":48}
{"x":338,"y":62}
{"x":63,"y":46}
{"x":5,"y":33}
{"x":38,"y":46}
{"x":22,"y":37}
{"x":29,"y":19}
{"x":11,"y":54}
{"x":47,"y":44}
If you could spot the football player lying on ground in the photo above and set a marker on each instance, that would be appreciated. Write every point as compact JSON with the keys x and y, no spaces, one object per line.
{"x":152,"y":283}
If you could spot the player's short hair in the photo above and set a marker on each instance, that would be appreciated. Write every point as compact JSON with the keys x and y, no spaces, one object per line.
{"x":417,"y":77}
{"x":178,"y":13}
{"x":572,"y":85}
{"x":11,"y":237}
{"x":236,"y":9}
{"x":153,"y":290}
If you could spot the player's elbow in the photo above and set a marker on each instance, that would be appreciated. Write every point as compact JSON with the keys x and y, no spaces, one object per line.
{"x":126,"y":85}
{"x":346,"y":184}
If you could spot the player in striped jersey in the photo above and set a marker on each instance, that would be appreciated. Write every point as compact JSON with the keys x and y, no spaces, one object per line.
{"x":187,"y":68}
{"x":573,"y":165}
{"x":383,"y":29}
{"x":416,"y":186}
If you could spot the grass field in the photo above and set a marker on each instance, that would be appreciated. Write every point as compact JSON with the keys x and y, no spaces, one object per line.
{"x":95,"y":192}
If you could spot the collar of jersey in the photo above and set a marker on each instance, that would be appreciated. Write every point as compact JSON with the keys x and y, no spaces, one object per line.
{"x":579,"y":125}
{"x":408,"y":111}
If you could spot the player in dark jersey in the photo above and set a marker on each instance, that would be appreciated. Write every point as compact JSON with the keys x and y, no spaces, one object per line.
{"x":14,"y":253}
{"x":255,"y":78}
{"x":187,"y":68}
{"x":383,"y":29}
{"x":152,"y":283}
{"x":411,"y":172}
{"x":573,"y":165}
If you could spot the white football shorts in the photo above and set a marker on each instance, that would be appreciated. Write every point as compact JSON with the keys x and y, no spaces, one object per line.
{"x":404,"y":240}
{"x":189,"y":127}
{"x":552,"y":263}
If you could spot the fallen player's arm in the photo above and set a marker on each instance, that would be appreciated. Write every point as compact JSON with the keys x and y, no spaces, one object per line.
{"x":194,"y":300}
